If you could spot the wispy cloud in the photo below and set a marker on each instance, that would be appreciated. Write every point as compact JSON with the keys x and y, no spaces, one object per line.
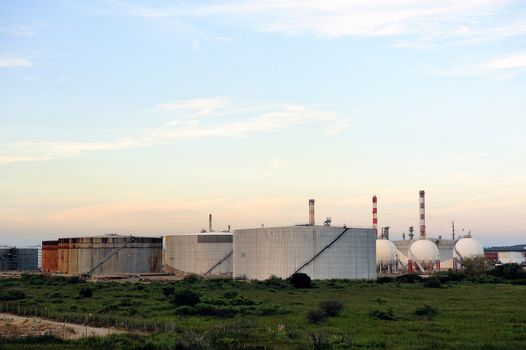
{"x":469,"y":20}
{"x":501,"y":67}
{"x":17,"y":30}
{"x":230,"y":120}
{"x":271,"y":169}
{"x":12,"y":61}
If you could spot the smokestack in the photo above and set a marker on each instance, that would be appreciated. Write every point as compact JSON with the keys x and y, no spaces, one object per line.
{"x":209,"y":222}
{"x":422,"y":215}
{"x":311,"y":212}
{"x":375,"y":216}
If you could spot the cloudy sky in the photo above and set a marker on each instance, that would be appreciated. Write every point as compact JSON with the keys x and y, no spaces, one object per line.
{"x":144,"y":116}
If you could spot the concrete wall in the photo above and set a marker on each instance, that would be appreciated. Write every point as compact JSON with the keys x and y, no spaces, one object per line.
{"x":198,"y":253}
{"x":128,"y":255}
{"x":18,"y":259}
{"x":280,"y":251}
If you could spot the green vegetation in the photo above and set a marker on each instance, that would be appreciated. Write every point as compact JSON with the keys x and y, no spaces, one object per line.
{"x":461,"y":311}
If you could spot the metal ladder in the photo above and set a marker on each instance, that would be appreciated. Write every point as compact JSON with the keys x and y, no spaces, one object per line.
{"x":219,"y":262}
{"x":129,"y":240}
{"x":321,"y":251}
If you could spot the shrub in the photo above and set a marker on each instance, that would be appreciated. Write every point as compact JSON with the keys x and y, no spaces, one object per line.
{"x":382,"y":280}
{"x":193,"y":278}
{"x":230,"y":295}
{"x":205,"y":309}
{"x":300,"y":280}
{"x":409,"y":278}
{"x":168,"y":290}
{"x":508,"y":271}
{"x":316,"y":316}
{"x":185,"y":311}
{"x":185,"y":297}
{"x":427,"y":311}
{"x":451,"y":276}
{"x":386,"y":315}
{"x":432,"y":282}
{"x":86,"y":292}
{"x":13,"y":294}
{"x":320,"y":342}
{"x":331,"y":307}
{"x":275,"y":281}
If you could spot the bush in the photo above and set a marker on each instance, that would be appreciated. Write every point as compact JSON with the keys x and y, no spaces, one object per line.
{"x":331,"y":307}
{"x":320,"y":342}
{"x":204,"y":309}
{"x":508,"y":271}
{"x":230,"y":295}
{"x":12,"y":294}
{"x":386,"y":315}
{"x":275,"y":281}
{"x":86,"y":292}
{"x":193,"y":278}
{"x":409,"y":278}
{"x":300,"y":280}
{"x":185,"y":297}
{"x":432,"y":282}
{"x":185,"y":311}
{"x":168,"y":290}
{"x":316,"y":316}
{"x":427,"y":311}
{"x":382,"y":280}
{"x":451,"y":276}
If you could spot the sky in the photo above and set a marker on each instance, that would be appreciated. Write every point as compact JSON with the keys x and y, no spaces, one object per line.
{"x":142,"y":117}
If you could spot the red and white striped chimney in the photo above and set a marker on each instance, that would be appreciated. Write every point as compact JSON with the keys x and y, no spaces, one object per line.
{"x":422,"y":215}
{"x":375,"y":216}
{"x":311,"y":212}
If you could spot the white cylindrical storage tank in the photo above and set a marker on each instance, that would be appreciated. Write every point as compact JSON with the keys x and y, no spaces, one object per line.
{"x":424,"y":251}
{"x":467,"y":248}
{"x":322,"y":252}
{"x":386,"y":252}
{"x":200,"y":253}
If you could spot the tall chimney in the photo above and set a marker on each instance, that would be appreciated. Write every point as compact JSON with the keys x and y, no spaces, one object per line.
{"x":311,"y":212}
{"x":375,"y":216}
{"x":422,"y":215}
{"x":209,"y":222}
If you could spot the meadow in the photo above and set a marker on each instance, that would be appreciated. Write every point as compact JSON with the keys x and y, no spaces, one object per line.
{"x":447,"y":312}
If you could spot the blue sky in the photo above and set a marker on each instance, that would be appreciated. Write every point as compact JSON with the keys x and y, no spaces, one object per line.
{"x":143,"y":117}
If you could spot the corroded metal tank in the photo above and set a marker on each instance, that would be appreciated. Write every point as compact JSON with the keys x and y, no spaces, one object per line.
{"x":50,"y":256}
{"x":110,"y":255}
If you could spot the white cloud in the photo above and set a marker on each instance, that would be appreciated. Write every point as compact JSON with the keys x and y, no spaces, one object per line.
{"x":476,"y":20}
{"x":239,"y":121}
{"x":7,"y":61}
{"x":513,"y":61}
{"x":271,"y":169}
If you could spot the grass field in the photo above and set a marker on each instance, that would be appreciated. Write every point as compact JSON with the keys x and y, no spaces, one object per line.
{"x":273,"y":314}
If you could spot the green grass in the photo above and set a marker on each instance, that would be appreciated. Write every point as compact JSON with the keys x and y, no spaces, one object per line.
{"x":470,"y":315}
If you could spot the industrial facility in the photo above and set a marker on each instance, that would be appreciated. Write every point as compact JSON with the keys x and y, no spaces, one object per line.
{"x":18,"y":259}
{"x":108,"y":255}
{"x":50,"y":256}
{"x":322,"y":252}
{"x":206,"y":253}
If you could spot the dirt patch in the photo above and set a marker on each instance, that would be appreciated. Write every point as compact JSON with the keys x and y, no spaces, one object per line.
{"x":12,"y":326}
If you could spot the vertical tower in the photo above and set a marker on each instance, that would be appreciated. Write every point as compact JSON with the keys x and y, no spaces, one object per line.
{"x":422,"y":215}
{"x":375,"y":216}
{"x":311,"y":212}
{"x":209,"y":222}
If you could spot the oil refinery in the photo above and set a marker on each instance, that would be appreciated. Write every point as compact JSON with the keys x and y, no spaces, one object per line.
{"x":320,"y":251}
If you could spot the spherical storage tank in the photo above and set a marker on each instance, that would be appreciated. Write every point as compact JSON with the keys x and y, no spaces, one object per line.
{"x":386,"y":252}
{"x":201,"y":253}
{"x":322,"y":252}
{"x":424,"y":250}
{"x":468,"y":248}
{"x":110,"y":255}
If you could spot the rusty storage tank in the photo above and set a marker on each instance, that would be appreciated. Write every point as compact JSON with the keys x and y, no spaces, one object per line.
{"x":49,"y":256}
{"x":207,"y":253}
{"x":110,"y":255}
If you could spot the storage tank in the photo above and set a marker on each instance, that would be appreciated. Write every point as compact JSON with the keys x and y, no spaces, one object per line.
{"x":109,"y":255}
{"x":50,"y":256}
{"x":207,"y":253}
{"x":322,"y":252}
{"x":425,"y":253}
{"x":14,"y":258}
{"x":467,"y":248}
{"x":386,"y":256}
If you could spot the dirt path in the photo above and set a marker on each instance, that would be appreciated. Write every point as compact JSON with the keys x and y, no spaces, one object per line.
{"x":18,"y":326}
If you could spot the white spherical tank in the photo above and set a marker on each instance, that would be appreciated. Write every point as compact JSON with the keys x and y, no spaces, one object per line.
{"x":468,"y":248}
{"x":386,"y":252}
{"x":424,"y":250}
